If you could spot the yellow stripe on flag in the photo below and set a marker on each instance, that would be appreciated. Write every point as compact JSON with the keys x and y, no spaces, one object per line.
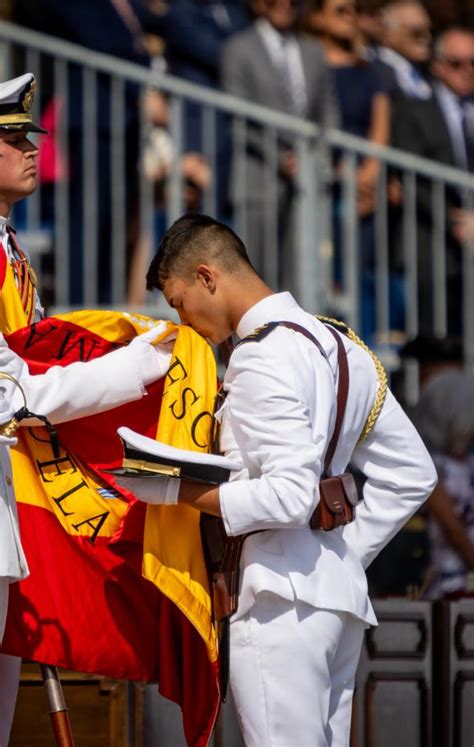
{"x":173,"y":558}
{"x":172,"y":552}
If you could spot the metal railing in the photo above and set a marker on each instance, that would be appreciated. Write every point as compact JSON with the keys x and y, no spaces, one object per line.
{"x":106,"y":216}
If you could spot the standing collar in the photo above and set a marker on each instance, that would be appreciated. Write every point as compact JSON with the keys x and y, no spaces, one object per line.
{"x":269,"y":309}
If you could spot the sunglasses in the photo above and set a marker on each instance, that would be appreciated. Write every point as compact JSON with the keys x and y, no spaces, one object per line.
{"x":293,"y":3}
{"x":344,"y":10}
{"x":456,"y":63}
{"x":419,"y":33}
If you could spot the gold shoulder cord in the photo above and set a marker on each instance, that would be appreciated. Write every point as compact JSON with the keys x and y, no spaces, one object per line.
{"x":381,"y":376}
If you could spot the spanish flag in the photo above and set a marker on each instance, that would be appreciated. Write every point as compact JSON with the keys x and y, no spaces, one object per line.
{"x":116,"y":587}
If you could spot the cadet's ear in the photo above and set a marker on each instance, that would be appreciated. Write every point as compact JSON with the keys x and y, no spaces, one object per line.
{"x":207,"y":277}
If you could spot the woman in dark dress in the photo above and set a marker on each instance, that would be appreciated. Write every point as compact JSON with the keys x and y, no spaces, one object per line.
{"x":365,"y":111}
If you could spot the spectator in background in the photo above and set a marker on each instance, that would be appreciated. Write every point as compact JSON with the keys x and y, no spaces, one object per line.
{"x":194,"y":32}
{"x":402,"y":568}
{"x":363,"y":102}
{"x":365,"y":111}
{"x":159,"y":156}
{"x":369,"y":22}
{"x":445,"y":420}
{"x":271,"y":64}
{"x":113,"y":27}
{"x":257,"y":7}
{"x":433,"y":356}
{"x":405,"y":51}
{"x":442,"y":128}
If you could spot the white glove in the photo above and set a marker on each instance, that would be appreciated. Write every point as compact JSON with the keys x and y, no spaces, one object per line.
{"x":6,"y":414}
{"x":6,"y":441}
{"x":10,"y":396}
{"x":153,"y":359}
{"x":156,"y":490}
{"x":13,"y":365}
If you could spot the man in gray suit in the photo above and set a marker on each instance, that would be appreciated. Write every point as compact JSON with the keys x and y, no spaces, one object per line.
{"x":271,"y":64}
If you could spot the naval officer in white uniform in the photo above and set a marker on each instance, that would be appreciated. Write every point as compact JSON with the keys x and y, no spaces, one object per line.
{"x":303,"y":606}
{"x":62,"y":393}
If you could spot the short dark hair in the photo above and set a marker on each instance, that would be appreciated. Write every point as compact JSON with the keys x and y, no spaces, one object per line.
{"x":193,"y":239}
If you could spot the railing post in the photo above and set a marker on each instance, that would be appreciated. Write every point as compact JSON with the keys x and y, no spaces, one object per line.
{"x":307,"y":235}
{"x":350,"y":239}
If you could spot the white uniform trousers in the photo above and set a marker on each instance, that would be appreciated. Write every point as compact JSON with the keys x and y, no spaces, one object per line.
{"x":292,"y":671}
{"x":9,"y":674}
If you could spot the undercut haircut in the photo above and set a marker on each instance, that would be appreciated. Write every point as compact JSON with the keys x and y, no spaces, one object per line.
{"x":193,"y":240}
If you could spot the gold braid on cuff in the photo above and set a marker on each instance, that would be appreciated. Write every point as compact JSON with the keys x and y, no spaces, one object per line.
{"x":10,"y":428}
{"x":381,"y":375}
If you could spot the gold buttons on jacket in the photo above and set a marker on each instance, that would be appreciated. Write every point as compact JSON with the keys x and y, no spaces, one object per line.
{"x":8,"y":480}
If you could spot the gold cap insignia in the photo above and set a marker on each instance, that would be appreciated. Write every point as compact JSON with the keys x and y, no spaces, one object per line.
{"x":28,"y":96}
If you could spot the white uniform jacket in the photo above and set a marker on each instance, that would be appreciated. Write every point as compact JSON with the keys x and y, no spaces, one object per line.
{"x":62,"y":394}
{"x":278,"y":418}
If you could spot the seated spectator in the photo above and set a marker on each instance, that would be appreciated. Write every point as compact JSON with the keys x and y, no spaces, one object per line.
{"x":365,"y":111}
{"x":442,"y":128}
{"x":270,"y":63}
{"x":445,"y":419}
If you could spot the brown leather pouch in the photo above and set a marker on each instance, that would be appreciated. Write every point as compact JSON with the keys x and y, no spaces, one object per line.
{"x":337,"y":502}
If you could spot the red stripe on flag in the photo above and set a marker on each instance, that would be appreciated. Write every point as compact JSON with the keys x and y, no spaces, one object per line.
{"x":86,"y":606}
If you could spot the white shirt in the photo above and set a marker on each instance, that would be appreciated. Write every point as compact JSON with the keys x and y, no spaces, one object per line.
{"x":278,"y":417}
{"x":453,"y":115}
{"x":285,"y":54}
{"x":408,"y":78}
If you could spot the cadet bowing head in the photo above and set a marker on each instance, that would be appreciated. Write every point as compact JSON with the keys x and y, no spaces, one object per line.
{"x":191,"y":241}
{"x":205,"y":274}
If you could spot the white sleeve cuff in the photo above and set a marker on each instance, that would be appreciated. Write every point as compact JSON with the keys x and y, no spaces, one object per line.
{"x":226,"y":500}
{"x":151,"y":362}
